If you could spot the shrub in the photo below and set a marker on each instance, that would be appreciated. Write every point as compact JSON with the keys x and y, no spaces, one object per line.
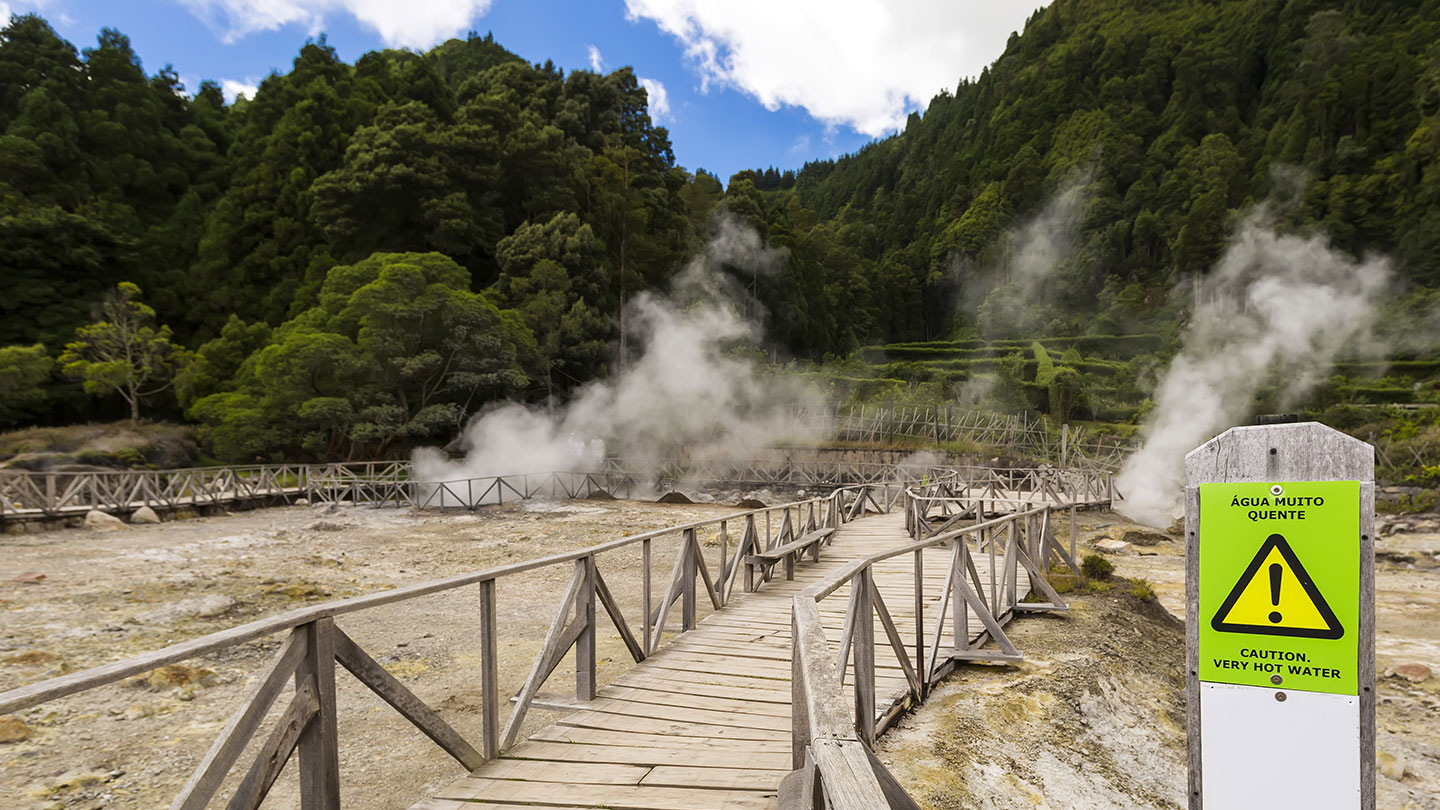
{"x":1142,"y":589}
{"x":1096,"y":567}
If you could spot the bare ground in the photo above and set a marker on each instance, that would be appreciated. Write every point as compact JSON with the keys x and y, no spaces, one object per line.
{"x":107,"y":596}
{"x":1094,"y":717}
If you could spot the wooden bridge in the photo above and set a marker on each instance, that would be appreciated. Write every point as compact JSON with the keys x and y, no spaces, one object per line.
{"x":851,"y":606}
{"x":56,"y":495}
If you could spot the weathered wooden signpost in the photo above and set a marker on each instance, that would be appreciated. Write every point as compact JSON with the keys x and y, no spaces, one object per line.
{"x":1280,"y":624}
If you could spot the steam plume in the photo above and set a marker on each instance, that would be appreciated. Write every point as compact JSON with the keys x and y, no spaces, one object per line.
{"x":687,"y":390}
{"x":1276,"y":303}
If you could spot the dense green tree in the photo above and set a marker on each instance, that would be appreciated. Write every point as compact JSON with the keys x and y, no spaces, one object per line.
{"x":123,"y":352}
{"x":23,"y":373}
{"x":396,"y":350}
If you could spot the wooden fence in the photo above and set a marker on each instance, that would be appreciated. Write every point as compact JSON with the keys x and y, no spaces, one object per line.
{"x":40,"y":495}
{"x":833,"y":736}
{"x":314,"y":642}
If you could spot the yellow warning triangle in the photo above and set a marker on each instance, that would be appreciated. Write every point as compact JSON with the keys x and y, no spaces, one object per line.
{"x":1276,"y":597}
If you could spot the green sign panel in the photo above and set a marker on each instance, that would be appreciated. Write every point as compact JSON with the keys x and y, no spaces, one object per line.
{"x":1280,"y":585}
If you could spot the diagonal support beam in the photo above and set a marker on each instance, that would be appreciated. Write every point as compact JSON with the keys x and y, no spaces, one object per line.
{"x":369,"y":672}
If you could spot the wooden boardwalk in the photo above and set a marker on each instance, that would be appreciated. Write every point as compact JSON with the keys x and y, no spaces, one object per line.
{"x":704,"y":722}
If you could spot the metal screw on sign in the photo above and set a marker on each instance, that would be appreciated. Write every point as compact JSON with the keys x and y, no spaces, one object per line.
{"x":1277,"y":490}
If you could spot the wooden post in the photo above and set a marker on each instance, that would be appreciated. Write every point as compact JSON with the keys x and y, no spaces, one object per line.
{"x":864,"y":650}
{"x":489,"y":673}
{"x":319,"y":743}
{"x":1074,"y":531}
{"x":959,"y":610}
{"x":689,"y":548}
{"x":1289,"y":457}
{"x":724,"y":557}
{"x":920,"y":620}
{"x":585,"y":644}
{"x":645,"y":593}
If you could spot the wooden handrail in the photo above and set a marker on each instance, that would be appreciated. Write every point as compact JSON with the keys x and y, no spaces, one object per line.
{"x":824,"y":756}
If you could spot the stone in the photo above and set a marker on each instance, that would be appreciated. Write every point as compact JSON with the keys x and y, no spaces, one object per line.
{"x":199,"y":607}
{"x":302,"y":501}
{"x":30,"y":658}
{"x":1111,"y":546}
{"x":1391,"y":766}
{"x":30,"y":578}
{"x":13,"y":729}
{"x":144,"y":516}
{"x":98,"y":521}
{"x":172,"y":676}
{"x":1414,"y":673}
{"x":1140,"y":537}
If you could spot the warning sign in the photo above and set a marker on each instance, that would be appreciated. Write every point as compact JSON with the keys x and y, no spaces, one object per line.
{"x":1280,"y":585}
{"x":1276,"y":596}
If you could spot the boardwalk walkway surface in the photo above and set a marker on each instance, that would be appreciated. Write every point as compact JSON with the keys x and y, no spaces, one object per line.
{"x":704,"y":723}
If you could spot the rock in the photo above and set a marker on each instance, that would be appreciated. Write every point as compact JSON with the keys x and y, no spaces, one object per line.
{"x":137,"y":711}
{"x":326,"y":526}
{"x":750,"y":503}
{"x":199,"y":607}
{"x":172,"y":676}
{"x":1140,"y":537}
{"x":599,"y":495}
{"x":144,"y":516}
{"x":674,"y":497}
{"x":1414,"y":673}
{"x":1177,"y":526}
{"x":1391,"y":766}
{"x":1110,"y":546}
{"x":13,"y":729}
{"x":302,"y":501}
{"x":30,"y":658}
{"x":30,"y":578}
{"x":98,"y":521}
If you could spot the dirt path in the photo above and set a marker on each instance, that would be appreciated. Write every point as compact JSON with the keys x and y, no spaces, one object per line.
{"x":106,"y":596}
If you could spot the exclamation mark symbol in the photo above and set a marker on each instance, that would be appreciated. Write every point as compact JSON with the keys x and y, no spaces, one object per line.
{"x":1275,"y":571}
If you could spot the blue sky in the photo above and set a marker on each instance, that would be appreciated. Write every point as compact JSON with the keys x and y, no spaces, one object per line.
{"x":746,"y":83}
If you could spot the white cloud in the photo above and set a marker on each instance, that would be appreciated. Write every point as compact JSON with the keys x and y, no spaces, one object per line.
{"x":233,"y":88}
{"x":412,"y":24}
{"x":864,"y":63}
{"x":659,"y":98}
{"x":597,"y":64}
{"x":9,"y":9}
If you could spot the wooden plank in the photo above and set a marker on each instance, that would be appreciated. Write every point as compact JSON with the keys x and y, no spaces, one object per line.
{"x":489,"y":673}
{"x":647,"y":725}
{"x":729,"y":778}
{"x":236,"y":734}
{"x":319,"y":742}
{"x":642,"y":755}
{"x":302,"y":713}
{"x":600,"y":736}
{"x":412,"y":708}
{"x":579,"y":773}
{"x":696,"y":701}
{"x":688,"y":714}
{"x":610,"y":796}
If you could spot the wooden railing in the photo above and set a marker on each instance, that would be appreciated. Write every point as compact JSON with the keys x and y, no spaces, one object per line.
{"x":56,"y":494}
{"x":29,"y":495}
{"x":832,"y":735}
{"x":313,"y":643}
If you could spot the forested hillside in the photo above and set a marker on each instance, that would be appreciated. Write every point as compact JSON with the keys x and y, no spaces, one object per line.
{"x":356,"y":227}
